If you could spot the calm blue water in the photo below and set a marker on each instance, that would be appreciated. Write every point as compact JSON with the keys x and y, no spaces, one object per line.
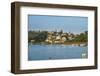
{"x":48,"y":52}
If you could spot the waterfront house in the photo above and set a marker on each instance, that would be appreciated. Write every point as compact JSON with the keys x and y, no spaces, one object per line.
{"x":63,"y":39}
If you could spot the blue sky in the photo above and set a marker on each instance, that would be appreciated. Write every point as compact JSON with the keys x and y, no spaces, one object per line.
{"x":73,"y":24}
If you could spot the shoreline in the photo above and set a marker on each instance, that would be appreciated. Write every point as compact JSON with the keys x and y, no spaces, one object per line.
{"x":66,"y":43}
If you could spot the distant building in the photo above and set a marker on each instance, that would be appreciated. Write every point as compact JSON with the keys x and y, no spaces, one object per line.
{"x":64,"y":39}
{"x":56,"y":37}
{"x":32,"y":40}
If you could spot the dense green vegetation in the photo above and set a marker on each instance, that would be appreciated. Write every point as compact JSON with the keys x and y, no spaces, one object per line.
{"x":37,"y":36}
{"x":82,"y":37}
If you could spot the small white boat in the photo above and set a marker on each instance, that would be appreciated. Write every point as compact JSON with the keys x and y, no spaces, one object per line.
{"x":84,"y":55}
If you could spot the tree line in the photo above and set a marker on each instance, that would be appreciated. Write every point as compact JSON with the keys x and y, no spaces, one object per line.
{"x":41,"y":36}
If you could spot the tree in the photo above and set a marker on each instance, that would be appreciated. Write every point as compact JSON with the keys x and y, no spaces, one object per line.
{"x":40,"y":37}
